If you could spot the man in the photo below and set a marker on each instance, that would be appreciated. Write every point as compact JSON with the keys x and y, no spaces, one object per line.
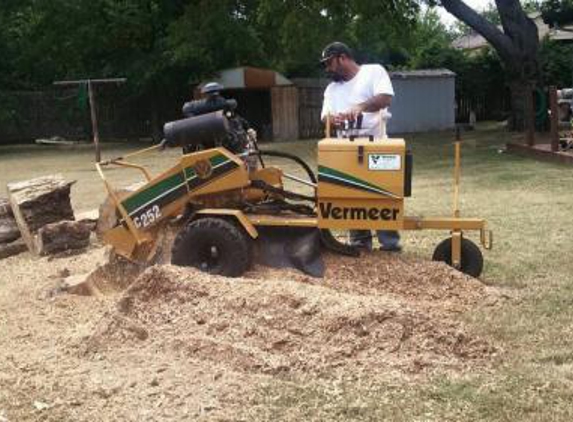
{"x":358,"y":90}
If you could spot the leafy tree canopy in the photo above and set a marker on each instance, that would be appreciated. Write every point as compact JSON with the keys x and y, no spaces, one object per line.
{"x":161,"y":44}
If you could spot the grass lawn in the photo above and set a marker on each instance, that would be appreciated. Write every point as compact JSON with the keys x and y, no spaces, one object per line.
{"x":529,"y":206}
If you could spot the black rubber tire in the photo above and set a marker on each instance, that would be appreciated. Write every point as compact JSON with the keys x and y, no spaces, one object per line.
{"x":472,"y":258}
{"x":213,"y":245}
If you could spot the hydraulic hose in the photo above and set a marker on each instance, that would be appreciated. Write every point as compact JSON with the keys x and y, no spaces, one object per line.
{"x":301,"y":162}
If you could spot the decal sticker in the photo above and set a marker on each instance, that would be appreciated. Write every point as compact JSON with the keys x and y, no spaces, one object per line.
{"x":384,"y":162}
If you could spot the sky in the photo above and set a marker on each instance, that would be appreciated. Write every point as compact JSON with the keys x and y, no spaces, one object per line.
{"x":478,"y":5}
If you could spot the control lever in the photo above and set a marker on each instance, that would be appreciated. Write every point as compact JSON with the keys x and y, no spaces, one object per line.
{"x":351,"y":128}
{"x":359,"y":121}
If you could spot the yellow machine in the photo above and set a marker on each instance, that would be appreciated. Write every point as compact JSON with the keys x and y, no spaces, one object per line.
{"x":235,"y":210}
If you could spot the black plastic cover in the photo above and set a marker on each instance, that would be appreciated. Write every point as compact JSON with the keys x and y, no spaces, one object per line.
{"x":208,"y":130}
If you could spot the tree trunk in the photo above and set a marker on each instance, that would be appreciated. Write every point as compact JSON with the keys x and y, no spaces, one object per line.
{"x":38,"y":202}
{"x":517,"y":46}
{"x":62,"y":236}
{"x":518,"y":92}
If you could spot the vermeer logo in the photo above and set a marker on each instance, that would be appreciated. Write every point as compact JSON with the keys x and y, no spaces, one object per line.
{"x":384,"y":162}
{"x":203,"y":169}
{"x":327,"y":210}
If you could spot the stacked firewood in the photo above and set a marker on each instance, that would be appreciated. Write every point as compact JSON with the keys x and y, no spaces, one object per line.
{"x":37,"y":216}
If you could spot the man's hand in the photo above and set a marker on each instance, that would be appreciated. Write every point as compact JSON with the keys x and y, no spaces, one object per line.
{"x":355,"y":112}
{"x":350,"y":116}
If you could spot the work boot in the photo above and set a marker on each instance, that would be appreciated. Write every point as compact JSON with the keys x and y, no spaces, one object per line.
{"x":391,"y":248}
{"x":362,"y":247}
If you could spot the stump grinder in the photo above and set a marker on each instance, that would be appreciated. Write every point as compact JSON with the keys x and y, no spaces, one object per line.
{"x":234,"y":210}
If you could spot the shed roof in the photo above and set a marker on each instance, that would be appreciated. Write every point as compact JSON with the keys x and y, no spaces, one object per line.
{"x":422,"y":73}
{"x":248,"y":78}
{"x":402,"y":74}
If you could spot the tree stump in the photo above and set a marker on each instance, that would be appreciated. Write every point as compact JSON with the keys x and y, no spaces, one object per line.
{"x":38,"y":202}
{"x":62,"y":236}
{"x":9,"y":230}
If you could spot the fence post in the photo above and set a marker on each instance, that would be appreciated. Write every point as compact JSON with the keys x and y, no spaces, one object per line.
{"x":554,"y":118}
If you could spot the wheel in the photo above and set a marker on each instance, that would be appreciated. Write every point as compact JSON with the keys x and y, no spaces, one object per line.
{"x":471,"y":256}
{"x":213,"y":245}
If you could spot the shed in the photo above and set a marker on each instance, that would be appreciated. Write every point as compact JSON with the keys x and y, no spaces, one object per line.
{"x":425,"y":100}
{"x":267,"y":99}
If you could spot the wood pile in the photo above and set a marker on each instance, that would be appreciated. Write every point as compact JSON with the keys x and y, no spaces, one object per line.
{"x":38,"y":216}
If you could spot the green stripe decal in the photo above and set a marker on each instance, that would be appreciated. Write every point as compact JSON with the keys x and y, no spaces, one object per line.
{"x":152,"y":192}
{"x":353,"y":182}
{"x":189,"y":173}
{"x":164,"y":186}
{"x":218,"y":159}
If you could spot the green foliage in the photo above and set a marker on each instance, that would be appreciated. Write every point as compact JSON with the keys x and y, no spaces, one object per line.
{"x":557,"y":12}
{"x":162,"y":45}
{"x":557,"y":63}
{"x":433,"y":43}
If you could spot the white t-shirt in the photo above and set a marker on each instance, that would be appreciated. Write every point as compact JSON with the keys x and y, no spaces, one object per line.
{"x":340,"y":97}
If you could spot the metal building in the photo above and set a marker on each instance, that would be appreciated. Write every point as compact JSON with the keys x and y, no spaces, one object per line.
{"x":266,"y":99}
{"x":425,"y":100}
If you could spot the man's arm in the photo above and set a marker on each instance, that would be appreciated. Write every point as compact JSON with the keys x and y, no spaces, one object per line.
{"x":372,"y":105}
{"x":376,"y":103}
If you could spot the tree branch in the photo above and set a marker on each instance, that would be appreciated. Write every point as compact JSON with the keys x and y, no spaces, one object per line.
{"x":501,"y":42}
{"x":517,"y":25}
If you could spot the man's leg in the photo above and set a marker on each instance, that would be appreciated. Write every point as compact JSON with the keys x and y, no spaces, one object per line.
{"x":389,"y":240}
{"x":361,"y":239}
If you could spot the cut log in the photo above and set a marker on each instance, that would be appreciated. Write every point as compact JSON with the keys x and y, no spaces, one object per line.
{"x":89,"y":217}
{"x":62,"y":236}
{"x":38,"y":202}
{"x":9,"y":230}
{"x":14,"y":248}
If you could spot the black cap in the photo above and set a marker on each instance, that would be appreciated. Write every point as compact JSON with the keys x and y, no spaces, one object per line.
{"x":211,"y":87}
{"x":335,"y":49}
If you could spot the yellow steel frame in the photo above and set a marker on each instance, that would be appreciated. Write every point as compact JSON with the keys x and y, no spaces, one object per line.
{"x":121,"y":161}
{"x":455,"y":224}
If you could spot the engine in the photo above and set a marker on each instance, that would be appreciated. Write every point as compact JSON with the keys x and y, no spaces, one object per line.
{"x":210,"y":122}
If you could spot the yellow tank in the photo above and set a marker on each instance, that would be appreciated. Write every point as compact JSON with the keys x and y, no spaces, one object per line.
{"x":362,"y":183}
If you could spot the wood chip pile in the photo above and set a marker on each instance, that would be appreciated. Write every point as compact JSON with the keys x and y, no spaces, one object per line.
{"x":376,"y":313}
{"x":173,"y":343}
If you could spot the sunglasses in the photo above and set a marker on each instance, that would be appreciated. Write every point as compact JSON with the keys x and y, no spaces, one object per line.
{"x":327,"y":61}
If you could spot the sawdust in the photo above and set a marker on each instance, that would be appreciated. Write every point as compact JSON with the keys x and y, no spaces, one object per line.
{"x":176,"y":344}
{"x":279,"y":325}
{"x":403,"y":277}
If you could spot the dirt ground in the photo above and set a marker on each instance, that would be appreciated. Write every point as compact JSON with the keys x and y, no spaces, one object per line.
{"x":175,"y":344}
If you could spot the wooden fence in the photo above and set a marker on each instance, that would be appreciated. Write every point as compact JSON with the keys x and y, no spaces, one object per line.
{"x":486,"y":107}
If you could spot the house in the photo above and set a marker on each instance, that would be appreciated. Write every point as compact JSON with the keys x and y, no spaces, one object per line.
{"x":474,"y":42}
